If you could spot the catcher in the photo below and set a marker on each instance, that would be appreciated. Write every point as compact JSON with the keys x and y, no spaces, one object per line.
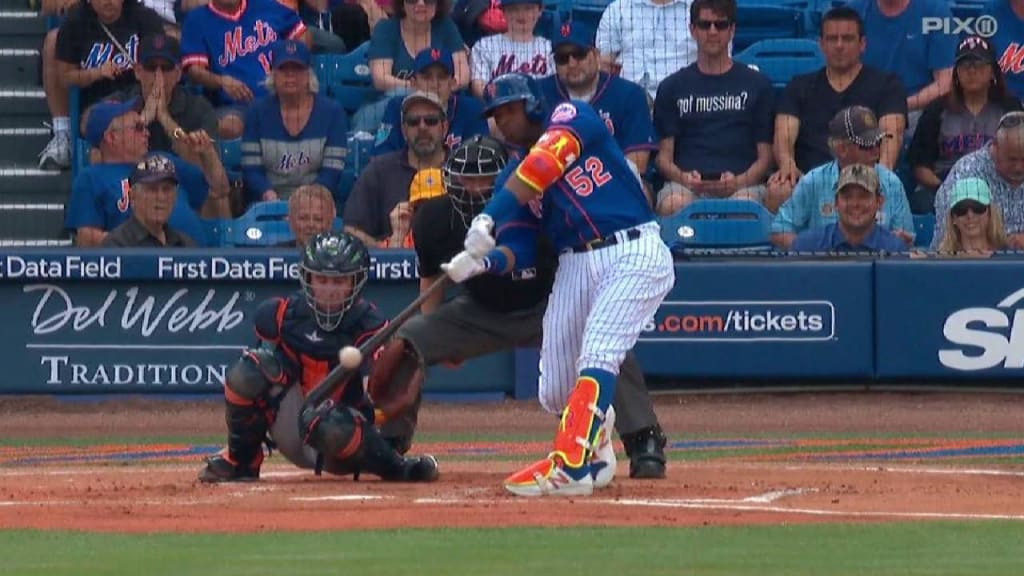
{"x":299,"y":339}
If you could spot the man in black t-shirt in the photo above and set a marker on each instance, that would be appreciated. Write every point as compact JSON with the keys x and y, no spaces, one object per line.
{"x":499,"y":312}
{"x":95,"y":49}
{"x":812,"y":100}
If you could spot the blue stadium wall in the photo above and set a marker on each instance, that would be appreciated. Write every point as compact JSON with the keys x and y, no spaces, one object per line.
{"x":139,"y":321}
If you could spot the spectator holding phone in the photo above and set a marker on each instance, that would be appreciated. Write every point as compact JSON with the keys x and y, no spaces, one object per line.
{"x":714,"y":119}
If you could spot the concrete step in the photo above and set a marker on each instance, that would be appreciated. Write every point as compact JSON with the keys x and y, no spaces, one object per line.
{"x":37,"y":221}
{"x":28,"y":185}
{"x":20,"y":145}
{"x":23,"y":101}
{"x":20,"y":66}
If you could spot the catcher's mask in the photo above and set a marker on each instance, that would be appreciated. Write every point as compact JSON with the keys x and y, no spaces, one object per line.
{"x":470,"y":172}
{"x":335,"y":266}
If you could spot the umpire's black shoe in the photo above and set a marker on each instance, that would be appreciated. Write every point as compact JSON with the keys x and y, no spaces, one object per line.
{"x":220,"y":469}
{"x":646,"y":451}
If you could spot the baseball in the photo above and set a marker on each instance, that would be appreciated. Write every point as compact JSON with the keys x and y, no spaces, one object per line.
{"x":350,"y":357}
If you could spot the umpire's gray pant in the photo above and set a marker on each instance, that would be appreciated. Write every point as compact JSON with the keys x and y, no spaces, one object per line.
{"x":461,"y":329}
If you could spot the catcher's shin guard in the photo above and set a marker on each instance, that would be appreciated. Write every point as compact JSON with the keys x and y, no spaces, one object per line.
{"x":381,"y":459}
{"x":247,"y":429}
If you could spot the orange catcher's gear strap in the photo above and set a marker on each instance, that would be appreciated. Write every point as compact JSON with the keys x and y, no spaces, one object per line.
{"x":547,"y":160}
{"x":581,"y":424}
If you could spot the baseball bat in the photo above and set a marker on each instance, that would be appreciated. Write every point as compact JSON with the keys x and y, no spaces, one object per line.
{"x":339,"y":375}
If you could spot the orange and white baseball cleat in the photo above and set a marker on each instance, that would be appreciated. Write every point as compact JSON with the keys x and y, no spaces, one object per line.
{"x":547,"y":478}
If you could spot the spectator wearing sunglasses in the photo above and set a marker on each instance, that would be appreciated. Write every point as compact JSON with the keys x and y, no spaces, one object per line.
{"x":1000,"y":164}
{"x":858,"y":201}
{"x":174,"y":115}
{"x":294,"y":136}
{"x":855,"y":137}
{"x":384,"y":183}
{"x":622,"y":104}
{"x":435,"y":72}
{"x":714,"y":119}
{"x":100,"y":199}
{"x":958,"y":124}
{"x":976,"y":224}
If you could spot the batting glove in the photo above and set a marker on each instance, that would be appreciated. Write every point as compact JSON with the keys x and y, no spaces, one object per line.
{"x":463,"y":267}
{"x":479,"y":241}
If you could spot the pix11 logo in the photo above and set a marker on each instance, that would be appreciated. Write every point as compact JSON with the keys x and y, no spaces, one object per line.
{"x":984,"y":26}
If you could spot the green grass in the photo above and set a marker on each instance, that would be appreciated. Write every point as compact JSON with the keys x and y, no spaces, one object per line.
{"x":932,"y":549}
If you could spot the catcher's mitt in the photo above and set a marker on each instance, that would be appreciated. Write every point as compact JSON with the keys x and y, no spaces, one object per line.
{"x":396,"y":380}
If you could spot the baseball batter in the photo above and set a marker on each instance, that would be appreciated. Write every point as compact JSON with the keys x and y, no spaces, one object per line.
{"x":502,"y":310}
{"x":613,"y":269}
{"x":300,"y":337}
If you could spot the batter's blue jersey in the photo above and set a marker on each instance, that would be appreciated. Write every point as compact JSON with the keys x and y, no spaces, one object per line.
{"x":465,"y":119}
{"x":598,"y":195}
{"x":620,"y":103}
{"x":238,"y":43}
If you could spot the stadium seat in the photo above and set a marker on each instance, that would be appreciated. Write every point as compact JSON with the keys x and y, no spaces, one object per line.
{"x":924,"y":227}
{"x":758,"y":21}
{"x":726,"y":224}
{"x":264,"y":224}
{"x":360,"y":150}
{"x":231,"y":154}
{"x":346,"y":77}
{"x":781,"y":59}
{"x":588,"y":11}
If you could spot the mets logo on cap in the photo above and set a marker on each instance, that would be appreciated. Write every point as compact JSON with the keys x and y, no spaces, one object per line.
{"x":435,"y":54}
{"x":290,"y":47}
{"x":492,"y":90}
{"x":566,"y":30}
{"x":158,"y":42}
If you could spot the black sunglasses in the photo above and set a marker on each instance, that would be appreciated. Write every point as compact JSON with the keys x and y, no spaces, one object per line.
{"x":578,"y":53}
{"x":963,"y":208}
{"x":430,"y":120}
{"x":425,"y":2}
{"x":163,"y":66}
{"x":717,"y":24}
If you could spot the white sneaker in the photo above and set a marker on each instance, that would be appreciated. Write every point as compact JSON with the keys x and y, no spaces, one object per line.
{"x":57,"y":154}
{"x":603,"y":462}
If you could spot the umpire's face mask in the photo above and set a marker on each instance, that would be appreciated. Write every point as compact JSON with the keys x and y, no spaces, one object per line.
{"x":469,"y":195}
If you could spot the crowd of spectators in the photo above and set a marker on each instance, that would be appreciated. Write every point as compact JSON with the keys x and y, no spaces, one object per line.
{"x":898,"y":121}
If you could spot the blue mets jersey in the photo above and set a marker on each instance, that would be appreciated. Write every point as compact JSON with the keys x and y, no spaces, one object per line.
{"x":620,"y":103}
{"x":238,"y":43}
{"x":598,"y":194}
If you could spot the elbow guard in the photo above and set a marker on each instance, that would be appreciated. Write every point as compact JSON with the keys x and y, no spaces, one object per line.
{"x":548,"y":159}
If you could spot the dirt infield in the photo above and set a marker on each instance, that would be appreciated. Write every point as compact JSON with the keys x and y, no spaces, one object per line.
{"x":776,"y":459}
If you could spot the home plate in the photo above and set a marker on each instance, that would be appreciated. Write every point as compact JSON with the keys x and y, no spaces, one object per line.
{"x":339,"y":498}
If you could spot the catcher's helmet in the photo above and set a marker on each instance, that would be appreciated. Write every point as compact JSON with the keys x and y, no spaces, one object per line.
{"x":335,"y":254}
{"x":477,"y":157}
{"x":514,"y":87}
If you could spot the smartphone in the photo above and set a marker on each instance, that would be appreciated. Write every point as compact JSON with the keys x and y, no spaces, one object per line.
{"x":710,"y":176}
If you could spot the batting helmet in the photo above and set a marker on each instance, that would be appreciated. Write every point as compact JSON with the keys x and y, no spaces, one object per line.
{"x":337,"y":254}
{"x":513,"y":88}
{"x":481,"y":158}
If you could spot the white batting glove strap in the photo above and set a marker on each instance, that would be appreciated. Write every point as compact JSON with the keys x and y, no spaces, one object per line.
{"x":479,"y":241}
{"x":463,"y":267}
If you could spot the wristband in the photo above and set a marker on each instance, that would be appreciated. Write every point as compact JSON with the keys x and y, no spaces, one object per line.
{"x":496,"y":261}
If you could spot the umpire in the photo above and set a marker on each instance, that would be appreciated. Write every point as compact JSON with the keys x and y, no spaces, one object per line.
{"x":495,"y":312}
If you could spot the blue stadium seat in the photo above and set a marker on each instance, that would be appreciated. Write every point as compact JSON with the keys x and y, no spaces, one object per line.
{"x":728,"y":224}
{"x":924,"y":227}
{"x":346,"y":77}
{"x":588,"y":11}
{"x":264,"y":224}
{"x":231,"y":154}
{"x":758,"y":21}
{"x":360,"y":149}
{"x":781,"y":59}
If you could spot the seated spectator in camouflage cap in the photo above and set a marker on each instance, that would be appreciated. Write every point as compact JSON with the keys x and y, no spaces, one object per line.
{"x":858,"y":200}
{"x":153,"y":195}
